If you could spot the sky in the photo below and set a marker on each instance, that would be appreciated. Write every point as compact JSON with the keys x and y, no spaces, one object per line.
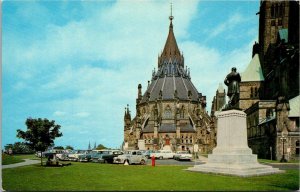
{"x":80,"y":62}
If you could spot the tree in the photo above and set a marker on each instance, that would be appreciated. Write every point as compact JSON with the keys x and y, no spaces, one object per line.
{"x":100,"y":146}
{"x":19,"y":148}
{"x":58,"y":147}
{"x":40,"y":134}
{"x":69,"y":147}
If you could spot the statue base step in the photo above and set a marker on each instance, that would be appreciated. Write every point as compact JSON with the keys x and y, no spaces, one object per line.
{"x":232,"y":156}
{"x":242,"y":170}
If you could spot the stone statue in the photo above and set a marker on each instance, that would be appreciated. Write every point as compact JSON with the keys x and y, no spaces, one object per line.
{"x":232,"y":80}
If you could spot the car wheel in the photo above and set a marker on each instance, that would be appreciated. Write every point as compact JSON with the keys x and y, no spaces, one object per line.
{"x":160,"y":157}
{"x":143,"y":162}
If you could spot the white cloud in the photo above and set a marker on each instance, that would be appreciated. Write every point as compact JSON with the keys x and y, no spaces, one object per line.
{"x":90,"y":68}
{"x":82,"y":114}
{"x":233,"y":21}
{"x":59,"y":113}
{"x":209,"y":67}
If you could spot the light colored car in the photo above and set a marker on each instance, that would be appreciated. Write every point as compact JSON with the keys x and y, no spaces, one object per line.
{"x":183,"y":155}
{"x":74,"y":155}
{"x":163,"y":154}
{"x":132,"y":157}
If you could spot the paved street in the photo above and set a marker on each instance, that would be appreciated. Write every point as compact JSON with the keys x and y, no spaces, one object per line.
{"x":202,"y":160}
{"x":27,"y":162}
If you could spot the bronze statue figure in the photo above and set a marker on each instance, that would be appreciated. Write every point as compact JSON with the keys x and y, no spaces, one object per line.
{"x":233,"y":80}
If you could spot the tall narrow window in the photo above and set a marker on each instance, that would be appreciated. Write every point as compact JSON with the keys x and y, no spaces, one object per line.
{"x":297,"y":147}
{"x":273,"y":11}
{"x":277,"y":11}
{"x":182,"y":112}
{"x":168,"y":113}
{"x":256,"y":92}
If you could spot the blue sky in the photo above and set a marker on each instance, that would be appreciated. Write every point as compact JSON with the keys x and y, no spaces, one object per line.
{"x":79,"y":62}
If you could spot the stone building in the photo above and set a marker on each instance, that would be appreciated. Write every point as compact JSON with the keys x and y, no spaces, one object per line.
{"x":219,"y":100}
{"x":171,"y":114}
{"x":269,"y":91}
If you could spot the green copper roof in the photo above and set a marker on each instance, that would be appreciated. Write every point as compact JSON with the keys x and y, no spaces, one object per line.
{"x":253,"y":72}
{"x":294,"y":107}
{"x":283,"y":34}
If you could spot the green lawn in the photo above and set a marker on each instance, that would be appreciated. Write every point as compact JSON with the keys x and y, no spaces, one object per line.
{"x":275,"y":161}
{"x":11,"y":159}
{"x":93,"y":177}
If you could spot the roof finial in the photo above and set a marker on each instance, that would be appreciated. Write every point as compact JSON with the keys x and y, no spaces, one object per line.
{"x":171,"y":16}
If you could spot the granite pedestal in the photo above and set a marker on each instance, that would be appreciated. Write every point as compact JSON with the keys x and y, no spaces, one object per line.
{"x":232,"y":156}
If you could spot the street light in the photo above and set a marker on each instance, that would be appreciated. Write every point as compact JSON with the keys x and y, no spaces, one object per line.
{"x":283,"y":139}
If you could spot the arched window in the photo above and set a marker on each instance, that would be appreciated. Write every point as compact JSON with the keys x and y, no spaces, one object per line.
{"x":168,"y":113}
{"x":251,"y":93}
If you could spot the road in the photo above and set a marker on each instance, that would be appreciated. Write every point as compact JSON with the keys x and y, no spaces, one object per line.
{"x":27,"y":162}
{"x":282,"y":166}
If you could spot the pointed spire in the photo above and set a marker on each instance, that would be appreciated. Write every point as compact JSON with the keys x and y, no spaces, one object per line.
{"x":89,"y":147}
{"x":171,"y":50}
{"x":171,"y":17}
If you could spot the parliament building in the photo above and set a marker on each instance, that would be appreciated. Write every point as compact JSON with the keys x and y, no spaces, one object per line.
{"x":170,"y":113}
{"x":269,"y":90}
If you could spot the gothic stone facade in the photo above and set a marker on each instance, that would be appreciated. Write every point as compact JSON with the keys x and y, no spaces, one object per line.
{"x":267,"y":100}
{"x":171,"y":114}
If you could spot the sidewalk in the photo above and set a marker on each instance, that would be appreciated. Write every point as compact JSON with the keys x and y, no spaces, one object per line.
{"x":27,"y":162}
{"x":202,"y":159}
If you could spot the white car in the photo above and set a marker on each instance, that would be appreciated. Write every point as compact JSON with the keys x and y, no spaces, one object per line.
{"x":131,"y":157}
{"x":74,"y":155}
{"x":163,"y":154}
{"x":183,"y":155}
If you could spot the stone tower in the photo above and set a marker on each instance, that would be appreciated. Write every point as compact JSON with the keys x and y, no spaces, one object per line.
{"x":219,"y":100}
{"x":171,"y":114}
{"x":274,"y":16}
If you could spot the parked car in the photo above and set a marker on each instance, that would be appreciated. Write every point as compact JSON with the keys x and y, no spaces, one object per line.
{"x":63,"y":156}
{"x":163,"y":154}
{"x":74,"y":155}
{"x":97,"y":156}
{"x":147,"y":153}
{"x":132,"y":157}
{"x":85,"y":157}
{"x":183,"y":155}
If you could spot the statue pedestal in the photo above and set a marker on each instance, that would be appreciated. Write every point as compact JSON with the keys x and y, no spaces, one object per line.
{"x":232,"y":156}
{"x":141,"y":144}
{"x":167,"y":147}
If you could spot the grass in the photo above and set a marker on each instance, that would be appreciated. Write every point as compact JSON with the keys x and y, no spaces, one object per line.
{"x":275,"y":161}
{"x":29,"y":156}
{"x":93,"y":177}
{"x":11,"y":159}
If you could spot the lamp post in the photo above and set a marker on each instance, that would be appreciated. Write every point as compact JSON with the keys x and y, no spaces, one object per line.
{"x":283,"y":140}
